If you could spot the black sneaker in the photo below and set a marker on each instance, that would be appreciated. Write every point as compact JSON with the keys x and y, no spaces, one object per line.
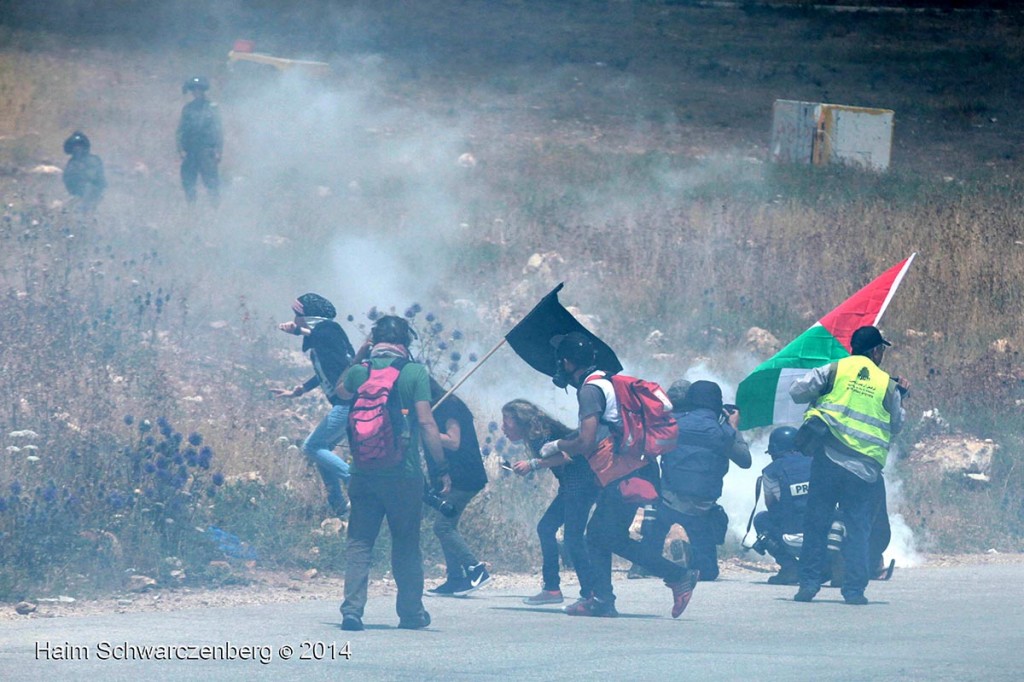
{"x":476,"y":577}
{"x":805,"y":594}
{"x":856,"y":600}
{"x":445,"y":589}
{"x":415,"y":623}
{"x":352,"y":623}
{"x":786,"y":576}
{"x":603,"y":609}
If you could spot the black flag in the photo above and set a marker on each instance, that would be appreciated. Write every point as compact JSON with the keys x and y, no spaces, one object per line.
{"x":531,"y":338}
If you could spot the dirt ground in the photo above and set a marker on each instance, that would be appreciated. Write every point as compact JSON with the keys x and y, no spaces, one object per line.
{"x":270,"y":587}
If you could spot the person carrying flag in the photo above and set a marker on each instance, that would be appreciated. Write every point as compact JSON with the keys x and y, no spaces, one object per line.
{"x":855,"y":410}
{"x":608,"y":529}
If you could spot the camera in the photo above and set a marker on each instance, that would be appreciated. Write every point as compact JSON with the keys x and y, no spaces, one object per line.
{"x":443,"y":506}
{"x":760,"y":544}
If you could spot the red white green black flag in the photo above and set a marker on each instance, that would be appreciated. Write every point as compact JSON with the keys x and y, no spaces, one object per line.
{"x":763,"y":397}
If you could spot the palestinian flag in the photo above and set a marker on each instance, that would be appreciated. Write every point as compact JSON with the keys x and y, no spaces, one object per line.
{"x":763,"y":397}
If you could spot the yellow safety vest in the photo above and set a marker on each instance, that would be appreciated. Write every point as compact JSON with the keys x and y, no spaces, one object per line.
{"x":853,"y":408}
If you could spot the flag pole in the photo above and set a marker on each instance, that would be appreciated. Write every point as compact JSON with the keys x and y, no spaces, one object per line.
{"x":469,"y":374}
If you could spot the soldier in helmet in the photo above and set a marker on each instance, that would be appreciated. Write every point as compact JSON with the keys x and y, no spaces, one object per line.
{"x":83,"y":176}
{"x":200,"y":140}
{"x":785,"y":483}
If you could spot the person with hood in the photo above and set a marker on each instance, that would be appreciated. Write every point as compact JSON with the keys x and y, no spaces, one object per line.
{"x":692,"y":475}
{"x":83,"y":175}
{"x":331,"y":354}
{"x":855,"y":411}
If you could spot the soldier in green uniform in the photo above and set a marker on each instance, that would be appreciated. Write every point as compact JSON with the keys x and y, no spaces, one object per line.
{"x":200,"y":140}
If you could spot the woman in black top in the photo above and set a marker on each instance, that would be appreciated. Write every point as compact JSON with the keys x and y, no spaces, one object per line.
{"x":466,"y":467}
{"x":522,"y":421}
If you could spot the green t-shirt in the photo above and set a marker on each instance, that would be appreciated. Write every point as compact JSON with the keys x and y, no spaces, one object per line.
{"x":413,"y":385}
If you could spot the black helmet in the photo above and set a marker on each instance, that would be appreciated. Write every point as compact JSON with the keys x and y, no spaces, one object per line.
{"x":575,"y":347}
{"x":782,"y":439}
{"x":705,"y":394}
{"x":77,"y":139}
{"x":392,"y":329}
{"x":195,"y":83}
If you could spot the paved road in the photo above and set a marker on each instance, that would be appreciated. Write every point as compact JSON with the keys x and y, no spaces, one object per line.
{"x":954,"y":623}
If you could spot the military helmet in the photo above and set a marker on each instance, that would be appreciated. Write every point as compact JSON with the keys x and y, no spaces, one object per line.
{"x":575,"y":347}
{"x":782,"y":439}
{"x":77,"y":139}
{"x":195,"y":83}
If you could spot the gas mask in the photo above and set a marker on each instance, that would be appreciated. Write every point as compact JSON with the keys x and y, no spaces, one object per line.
{"x":562,"y":378}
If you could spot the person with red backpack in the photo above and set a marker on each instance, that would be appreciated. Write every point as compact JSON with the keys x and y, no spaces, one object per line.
{"x":624,"y":460}
{"x":390,"y":416}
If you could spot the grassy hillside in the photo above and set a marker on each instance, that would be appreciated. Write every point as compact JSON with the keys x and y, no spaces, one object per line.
{"x":627,"y":142}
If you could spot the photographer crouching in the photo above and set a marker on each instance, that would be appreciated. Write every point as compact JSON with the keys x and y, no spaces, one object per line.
{"x":785,"y":483}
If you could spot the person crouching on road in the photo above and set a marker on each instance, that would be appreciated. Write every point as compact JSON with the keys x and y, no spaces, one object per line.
{"x":524,"y":422}
{"x":855,"y":410}
{"x":785,"y":483}
{"x":466,"y":467}
{"x":693,"y":473}
{"x":331,"y":353}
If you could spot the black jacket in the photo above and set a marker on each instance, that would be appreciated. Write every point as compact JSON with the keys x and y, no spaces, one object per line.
{"x":331,"y":353}
{"x":465,"y":465}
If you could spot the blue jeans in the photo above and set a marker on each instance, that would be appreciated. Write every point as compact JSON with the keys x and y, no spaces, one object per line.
{"x":830,"y":485}
{"x":572,"y":511}
{"x":319,"y":447}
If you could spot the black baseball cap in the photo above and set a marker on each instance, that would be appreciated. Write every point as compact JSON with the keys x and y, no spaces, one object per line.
{"x":867,"y":338}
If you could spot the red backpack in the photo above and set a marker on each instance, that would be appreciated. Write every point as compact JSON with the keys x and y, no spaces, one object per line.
{"x":648,"y":427}
{"x":377,"y":426}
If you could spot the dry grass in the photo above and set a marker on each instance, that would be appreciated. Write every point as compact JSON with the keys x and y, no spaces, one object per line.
{"x":643,"y":172}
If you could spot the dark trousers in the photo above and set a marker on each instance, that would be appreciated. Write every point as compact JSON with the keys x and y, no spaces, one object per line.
{"x":831,"y":484}
{"x":196,"y":164}
{"x":701,"y":531}
{"x":572,"y":511}
{"x":400,"y":500}
{"x":608,"y":533}
{"x":767,"y":524}
{"x":457,"y":554}
{"x":881,"y":532}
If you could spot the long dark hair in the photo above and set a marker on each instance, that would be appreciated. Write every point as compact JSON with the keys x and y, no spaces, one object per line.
{"x":540,"y":426}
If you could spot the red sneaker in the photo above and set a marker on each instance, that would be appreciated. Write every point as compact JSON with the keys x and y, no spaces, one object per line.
{"x":580,"y":607}
{"x":545,"y":597}
{"x":592,"y":607}
{"x":682,"y":591}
